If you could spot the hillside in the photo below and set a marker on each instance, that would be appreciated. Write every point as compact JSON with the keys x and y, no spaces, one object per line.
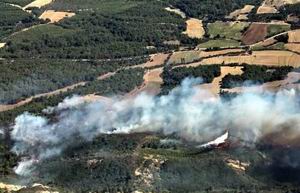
{"x":126,"y":62}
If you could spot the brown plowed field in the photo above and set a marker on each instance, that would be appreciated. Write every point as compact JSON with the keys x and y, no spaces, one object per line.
{"x":255,"y":33}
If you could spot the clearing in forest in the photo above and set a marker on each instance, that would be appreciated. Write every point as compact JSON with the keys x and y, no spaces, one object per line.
{"x":55,"y":16}
{"x":194,"y":28}
{"x":266,"y":57}
{"x":214,"y":87}
{"x":156,"y":60}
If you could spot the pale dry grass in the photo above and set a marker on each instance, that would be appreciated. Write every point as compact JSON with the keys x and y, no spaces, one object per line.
{"x":264,"y":9}
{"x":241,"y":14}
{"x":294,"y":36}
{"x":194,"y":28}
{"x":38,"y":3}
{"x":55,"y":16}
{"x":184,"y":57}
{"x":151,"y":85}
{"x":2,"y":45}
{"x":267,"y":57}
{"x":293,"y":47}
{"x":156,"y":60}
{"x":213,"y":88}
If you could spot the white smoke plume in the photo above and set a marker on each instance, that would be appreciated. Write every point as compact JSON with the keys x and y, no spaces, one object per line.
{"x":248,"y":116}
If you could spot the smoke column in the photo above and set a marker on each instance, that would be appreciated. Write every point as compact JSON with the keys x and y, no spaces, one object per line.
{"x":248,"y":116}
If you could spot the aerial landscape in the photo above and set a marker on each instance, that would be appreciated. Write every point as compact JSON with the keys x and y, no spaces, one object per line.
{"x":148,"y":96}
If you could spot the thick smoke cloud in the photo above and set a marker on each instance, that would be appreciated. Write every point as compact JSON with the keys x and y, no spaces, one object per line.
{"x":183,"y":112}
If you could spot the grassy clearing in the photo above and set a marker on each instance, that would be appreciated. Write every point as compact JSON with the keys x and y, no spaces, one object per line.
{"x":227,"y":30}
{"x":219,"y":43}
{"x":276,"y":29}
{"x":184,"y":57}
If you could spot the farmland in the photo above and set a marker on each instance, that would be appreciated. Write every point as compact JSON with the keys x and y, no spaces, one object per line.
{"x":115,"y":50}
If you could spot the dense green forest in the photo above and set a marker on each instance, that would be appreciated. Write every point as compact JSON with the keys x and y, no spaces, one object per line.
{"x":122,"y":82}
{"x":173,"y":77}
{"x":17,"y":2}
{"x":101,"y":34}
{"x":13,"y":19}
{"x":211,"y":10}
{"x":256,"y":74}
{"x":31,"y":77}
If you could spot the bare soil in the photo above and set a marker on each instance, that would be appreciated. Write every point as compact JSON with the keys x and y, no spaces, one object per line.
{"x":255,"y":33}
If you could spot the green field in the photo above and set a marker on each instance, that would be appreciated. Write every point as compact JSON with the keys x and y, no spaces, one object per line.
{"x":226,"y":30}
{"x":219,"y":43}
{"x":274,"y":29}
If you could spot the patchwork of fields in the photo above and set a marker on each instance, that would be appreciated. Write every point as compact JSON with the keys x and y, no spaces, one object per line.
{"x":53,"y":49}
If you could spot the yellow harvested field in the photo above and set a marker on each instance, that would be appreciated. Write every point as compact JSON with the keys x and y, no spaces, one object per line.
{"x":154,"y":76}
{"x":184,"y":57}
{"x":241,"y":14}
{"x":205,"y":54}
{"x":293,"y":47}
{"x":264,"y":9}
{"x":151,"y":85}
{"x":294,"y":36}
{"x":38,"y":3}
{"x":2,"y":45}
{"x":220,"y":52}
{"x":214,"y":87}
{"x":156,"y":60}
{"x":55,"y":16}
{"x":194,"y":28}
{"x":268,"y":57}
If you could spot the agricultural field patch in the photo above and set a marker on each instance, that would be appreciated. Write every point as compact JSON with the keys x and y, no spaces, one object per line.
{"x":227,"y":30}
{"x":194,"y":28}
{"x":219,"y":43}
{"x":266,"y":57}
{"x":294,"y":36}
{"x":184,"y":57}
{"x":241,"y":14}
{"x":55,"y":16}
{"x":293,"y":47}
{"x":274,"y":29}
{"x":255,"y":33}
